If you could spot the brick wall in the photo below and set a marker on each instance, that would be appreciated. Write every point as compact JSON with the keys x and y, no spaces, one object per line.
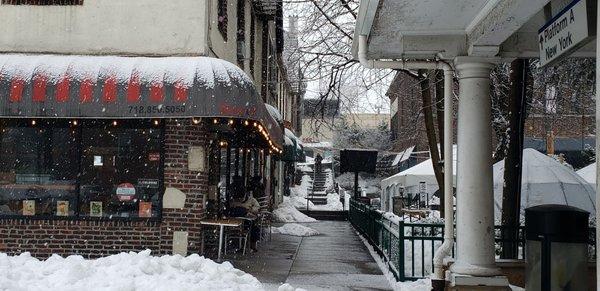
{"x":94,"y":238}
{"x":179,"y":136}
{"x":574,"y":126}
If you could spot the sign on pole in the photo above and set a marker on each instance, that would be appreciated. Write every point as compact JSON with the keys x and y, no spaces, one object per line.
{"x":571,"y":28}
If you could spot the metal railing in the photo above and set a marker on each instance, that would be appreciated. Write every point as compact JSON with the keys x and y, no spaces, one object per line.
{"x":408,"y":248}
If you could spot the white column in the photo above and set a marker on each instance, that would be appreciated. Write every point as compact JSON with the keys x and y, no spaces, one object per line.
{"x":597,"y":146}
{"x":475,"y":197}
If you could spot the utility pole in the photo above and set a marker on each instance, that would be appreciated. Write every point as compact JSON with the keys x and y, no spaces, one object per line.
{"x":511,"y":196}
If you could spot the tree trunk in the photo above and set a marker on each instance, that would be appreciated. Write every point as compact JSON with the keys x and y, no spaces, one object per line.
{"x":439,"y":102}
{"x":511,"y":196}
{"x":430,"y":129}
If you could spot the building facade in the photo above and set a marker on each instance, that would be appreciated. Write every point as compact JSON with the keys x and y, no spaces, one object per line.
{"x":124,"y":123}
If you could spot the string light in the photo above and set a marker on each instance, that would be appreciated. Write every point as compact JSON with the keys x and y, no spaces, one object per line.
{"x":33,"y":122}
{"x":196,"y":120}
{"x":254,"y":124}
{"x":230,"y":121}
{"x":156,"y":122}
{"x":215,"y":121}
{"x":246,"y":122}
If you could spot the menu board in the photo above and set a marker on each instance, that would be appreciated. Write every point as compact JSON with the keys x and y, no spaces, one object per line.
{"x":62,"y":208}
{"x":145,"y":209}
{"x":28,"y":207}
{"x":96,"y":208}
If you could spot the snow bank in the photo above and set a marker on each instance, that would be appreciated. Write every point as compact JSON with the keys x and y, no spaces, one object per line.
{"x":288,"y":287}
{"x":419,"y":285}
{"x":295,"y":230}
{"x":124,"y":271}
{"x":286,"y":212}
{"x":299,"y":193}
{"x":368,"y":184}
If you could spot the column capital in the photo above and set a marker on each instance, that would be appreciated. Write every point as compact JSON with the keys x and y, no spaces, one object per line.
{"x":474,"y":67}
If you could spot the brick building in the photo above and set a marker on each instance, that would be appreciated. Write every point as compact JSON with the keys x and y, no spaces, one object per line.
{"x":115,"y":136}
{"x":570,"y":122}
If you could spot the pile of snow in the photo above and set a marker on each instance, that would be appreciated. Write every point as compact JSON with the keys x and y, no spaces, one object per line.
{"x":124,"y":271}
{"x":419,"y":285}
{"x":368,"y":184}
{"x":287,"y":212}
{"x":288,"y":287}
{"x":295,"y":230}
{"x":304,"y":168}
{"x":299,"y":193}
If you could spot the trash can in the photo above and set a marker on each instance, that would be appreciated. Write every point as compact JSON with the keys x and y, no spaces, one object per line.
{"x":557,"y":248}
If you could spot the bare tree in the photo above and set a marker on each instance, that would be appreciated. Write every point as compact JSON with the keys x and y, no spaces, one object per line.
{"x":325,"y":32}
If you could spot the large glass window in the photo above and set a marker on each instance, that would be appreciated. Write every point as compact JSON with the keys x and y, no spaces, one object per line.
{"x":91,"y":168}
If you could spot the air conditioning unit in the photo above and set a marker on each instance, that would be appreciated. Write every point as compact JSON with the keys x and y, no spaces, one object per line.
{"x":241,"y":50}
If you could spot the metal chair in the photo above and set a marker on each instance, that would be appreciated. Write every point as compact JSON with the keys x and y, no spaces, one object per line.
{"x":241,"y":234}
{"x":265,"y":218}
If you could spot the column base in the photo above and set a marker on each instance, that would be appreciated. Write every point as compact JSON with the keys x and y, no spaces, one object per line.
{"x":461,"y":282}
{"x":463,"y":268}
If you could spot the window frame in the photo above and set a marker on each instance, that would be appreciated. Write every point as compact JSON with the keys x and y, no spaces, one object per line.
{"x":222,"y":11}
{"x":77,"y":216}
{"x":43,"y":2}
{"x":241,"y":31}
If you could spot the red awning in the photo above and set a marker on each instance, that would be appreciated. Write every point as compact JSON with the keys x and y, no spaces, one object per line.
{"x":129,"y":87}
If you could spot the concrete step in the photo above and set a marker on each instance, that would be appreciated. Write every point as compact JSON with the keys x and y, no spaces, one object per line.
{"x":319,"y":201}
{"x":316,"y":190}
{"x":326,"y":215}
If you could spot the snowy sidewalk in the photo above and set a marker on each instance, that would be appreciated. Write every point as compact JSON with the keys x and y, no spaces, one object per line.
{"x":335,"y":260}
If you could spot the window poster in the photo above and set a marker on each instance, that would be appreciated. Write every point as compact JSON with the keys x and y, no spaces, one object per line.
{"x":145,"y":209}
{"x":62,"y":208}
{"x":154,"y":157}
{"x":96,"y":208}
{"x":125,"y":191}
{"x":28,"y":207}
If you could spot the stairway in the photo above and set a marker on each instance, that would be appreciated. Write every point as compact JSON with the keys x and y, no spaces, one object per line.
{"x":317,"y":191}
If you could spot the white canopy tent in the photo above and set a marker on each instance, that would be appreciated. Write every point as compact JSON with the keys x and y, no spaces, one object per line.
{"x":545,"y":181}
{"x":411,"y":179}
{"x":588,"y":173}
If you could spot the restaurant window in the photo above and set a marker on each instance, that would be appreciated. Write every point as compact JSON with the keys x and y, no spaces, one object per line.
{"x":222,"y":17}
{"x":89,"y":168}
{"x":42,"y":2}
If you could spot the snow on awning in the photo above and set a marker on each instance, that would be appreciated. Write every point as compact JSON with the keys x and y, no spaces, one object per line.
{"x":274,"y":113}
{"x":129,"y":87}
{"x":288,"y":141}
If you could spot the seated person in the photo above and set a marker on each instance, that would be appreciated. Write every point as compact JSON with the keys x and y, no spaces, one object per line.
{"x":244,"y":205}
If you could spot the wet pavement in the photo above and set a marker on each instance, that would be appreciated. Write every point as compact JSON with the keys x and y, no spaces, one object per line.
{"x":334,"y":260}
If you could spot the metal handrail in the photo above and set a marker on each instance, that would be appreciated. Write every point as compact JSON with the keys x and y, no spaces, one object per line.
{"x":399,"y":243}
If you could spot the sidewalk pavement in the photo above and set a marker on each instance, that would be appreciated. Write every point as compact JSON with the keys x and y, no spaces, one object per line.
{"x":334,"y":260}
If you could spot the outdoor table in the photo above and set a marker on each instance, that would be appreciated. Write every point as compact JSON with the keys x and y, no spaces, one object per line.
{"x":221,"y":223}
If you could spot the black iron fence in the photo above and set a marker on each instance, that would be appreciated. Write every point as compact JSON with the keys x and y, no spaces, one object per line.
{"x":408,"y":248}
